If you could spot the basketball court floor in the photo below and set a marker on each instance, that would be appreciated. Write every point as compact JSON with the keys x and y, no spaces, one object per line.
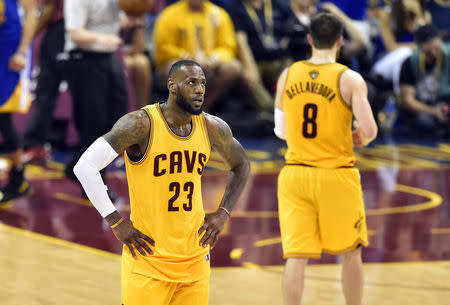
{"x":55,"y":248}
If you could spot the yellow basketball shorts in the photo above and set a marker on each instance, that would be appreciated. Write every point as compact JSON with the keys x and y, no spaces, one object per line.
{"x":320,"y":210}
{"x":139,"y":289}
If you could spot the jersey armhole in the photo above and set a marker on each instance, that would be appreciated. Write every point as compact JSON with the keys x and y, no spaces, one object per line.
{"x":205,"y":127}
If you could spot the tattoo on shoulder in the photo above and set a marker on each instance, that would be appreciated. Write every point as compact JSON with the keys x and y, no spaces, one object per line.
{"x":223,"y":128}
{"x":220,"y":132}
{"x":131,"y":129}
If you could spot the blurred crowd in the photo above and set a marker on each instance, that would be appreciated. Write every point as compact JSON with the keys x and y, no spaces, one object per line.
{"x":106,"y":56}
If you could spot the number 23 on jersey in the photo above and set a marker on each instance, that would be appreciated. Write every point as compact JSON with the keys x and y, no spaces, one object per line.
{"x":175,"y":187}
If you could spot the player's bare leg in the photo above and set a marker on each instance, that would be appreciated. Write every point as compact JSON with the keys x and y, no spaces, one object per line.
{"x":352,"y":277}
{"x":293,"y":279}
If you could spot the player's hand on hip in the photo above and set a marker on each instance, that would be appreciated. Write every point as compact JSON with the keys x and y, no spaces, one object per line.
{"x":214,"y":224}
{"x":131,"y":237}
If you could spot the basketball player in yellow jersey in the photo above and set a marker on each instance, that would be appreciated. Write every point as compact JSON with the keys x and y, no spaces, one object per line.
{"x":165,"y":257}
{"x":320,"y":201}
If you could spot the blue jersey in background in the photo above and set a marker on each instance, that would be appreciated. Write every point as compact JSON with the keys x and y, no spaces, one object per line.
{"x":13,"y":90}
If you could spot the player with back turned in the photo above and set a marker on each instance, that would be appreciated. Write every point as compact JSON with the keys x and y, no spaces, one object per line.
{"x":320,"y":202}
{"x":165,"y":257}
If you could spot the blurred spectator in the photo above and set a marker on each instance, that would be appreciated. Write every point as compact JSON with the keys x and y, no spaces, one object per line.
{"x":299,"y":48}
{"x":136,"y":60}
{"x":354,"y":41}
{"x":95,"y":76}
{"x":261,"y":27}
{"x":425,"y":84}
{"x":15,"y":41}
{"x":355,"y":10}
{"x":50,"y":76}
{"x":221,"y":3}
{"x":303,"y":10}
{"x":149,"y":25}
{"x":201,"y":31}
{"x":398,"y":23}
{"x":440,"y":12}
{"x":158,"y":6}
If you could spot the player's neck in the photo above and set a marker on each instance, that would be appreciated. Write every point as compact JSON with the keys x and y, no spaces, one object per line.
{"x":195,"y":7}
{"x":323,"y":56}
{"x":174,"y":115}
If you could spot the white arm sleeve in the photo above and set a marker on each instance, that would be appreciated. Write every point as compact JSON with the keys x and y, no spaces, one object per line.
{"x":280,"y":124}
{"x":87,"y":170}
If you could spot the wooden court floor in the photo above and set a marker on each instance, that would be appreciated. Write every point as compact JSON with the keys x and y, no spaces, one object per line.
{"x":37,"y":269}
{"x":55,"y":249}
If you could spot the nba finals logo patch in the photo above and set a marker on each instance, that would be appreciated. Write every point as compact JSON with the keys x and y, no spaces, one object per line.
{"x":359,"y":223}
{"x":208,"y":257}
{"x":314,"y":74}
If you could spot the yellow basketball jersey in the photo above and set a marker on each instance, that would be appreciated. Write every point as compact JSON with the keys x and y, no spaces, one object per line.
{"x":166,"y":200}
{"x":318,"y":121}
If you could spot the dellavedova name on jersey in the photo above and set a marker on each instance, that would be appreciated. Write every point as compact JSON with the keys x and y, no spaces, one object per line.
{"x":310,"y":87}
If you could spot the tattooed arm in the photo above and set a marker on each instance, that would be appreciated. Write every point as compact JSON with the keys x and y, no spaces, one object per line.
{"x":130,"y":133}
{"x":234,"y":156}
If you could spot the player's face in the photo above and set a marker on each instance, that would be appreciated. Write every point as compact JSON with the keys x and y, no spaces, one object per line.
{"x":191,"y":90}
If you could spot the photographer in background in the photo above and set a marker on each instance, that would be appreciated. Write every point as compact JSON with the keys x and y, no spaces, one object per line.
{"x":425,"y":84}
{"x":262,"y":44}
{"x":354,"y":42}
{"x":297,"y":30}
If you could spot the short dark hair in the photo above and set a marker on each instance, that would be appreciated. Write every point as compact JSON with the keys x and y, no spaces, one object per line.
{"x":181,"y":63}
{"x":426,"y":33}
{"x":325,"y":30}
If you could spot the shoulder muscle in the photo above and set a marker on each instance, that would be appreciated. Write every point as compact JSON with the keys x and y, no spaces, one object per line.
{"x":351,"y":84}
{"x":131,"y":129}
{"x":218,"y":130}
{"x":280,"y":88}
{"x":222,"y":140}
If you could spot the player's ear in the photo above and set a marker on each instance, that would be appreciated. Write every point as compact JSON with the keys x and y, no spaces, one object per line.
{"x":171,"y":86}
{"x":310,"y":40}
{"x":339,"y":42}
